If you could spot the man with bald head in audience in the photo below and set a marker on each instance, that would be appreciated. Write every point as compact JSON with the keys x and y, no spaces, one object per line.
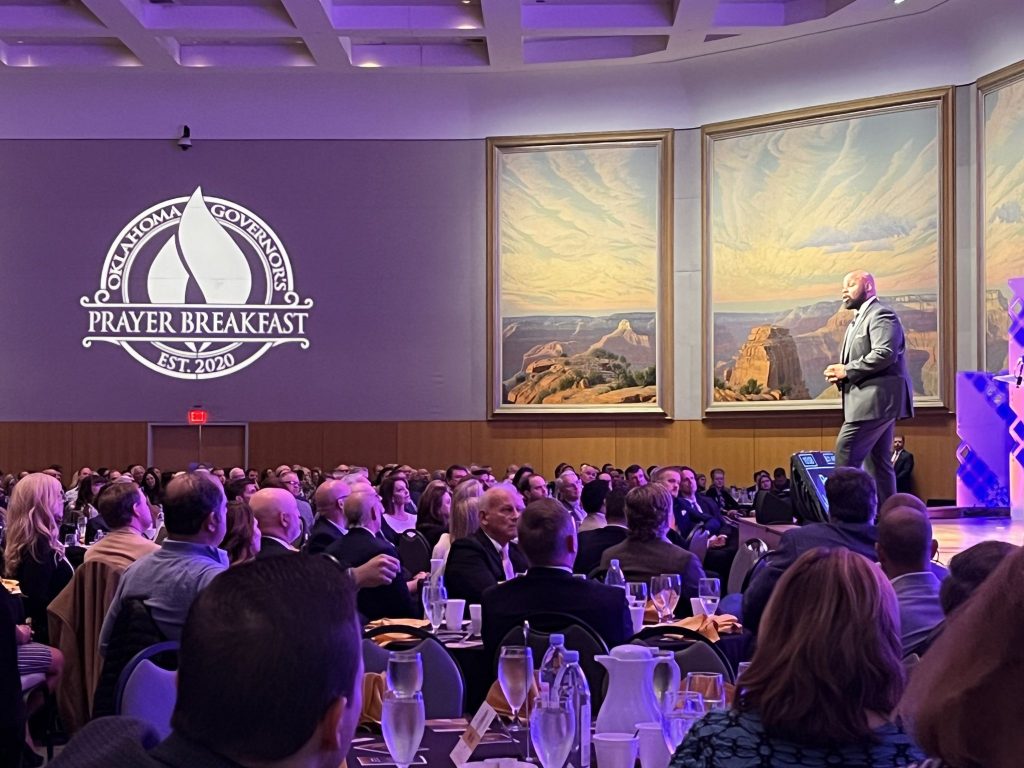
{"x":329,"y":526}
{"x":905,"y":548}
{"x":547,"y":536}
{"x":490,"y":555}
{"x":278,"y":516}
{"x":363,"y":518}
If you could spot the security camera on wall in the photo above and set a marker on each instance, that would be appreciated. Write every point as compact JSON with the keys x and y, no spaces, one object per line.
{"x":185,"y":142}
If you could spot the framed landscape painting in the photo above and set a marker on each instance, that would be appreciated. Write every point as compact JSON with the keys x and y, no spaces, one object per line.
{"x":579,"y":232}
{"x":795,"y":201}
{"x":1001,"y":212}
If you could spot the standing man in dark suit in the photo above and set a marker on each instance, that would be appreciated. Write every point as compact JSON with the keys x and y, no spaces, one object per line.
{"x":363,"y":515}
{"x":872,"y":376}
{"x":547,"y":535}
{"x":903,"y":465}
{"x":488,"y":556}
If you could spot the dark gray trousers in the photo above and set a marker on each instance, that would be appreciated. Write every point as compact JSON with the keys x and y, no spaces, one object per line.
{"x":869,"y":443}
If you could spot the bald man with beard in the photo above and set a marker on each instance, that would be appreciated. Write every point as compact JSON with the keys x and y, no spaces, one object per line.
{"x":872,"y":377}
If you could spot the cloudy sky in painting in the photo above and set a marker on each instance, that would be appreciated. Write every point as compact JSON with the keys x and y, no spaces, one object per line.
{"x":1004,"y":185}
{"x":578,"y":230}
{"x":794,"y":210}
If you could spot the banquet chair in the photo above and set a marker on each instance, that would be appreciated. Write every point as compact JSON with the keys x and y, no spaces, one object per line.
{"x":579,"y":636}
{"x":146,"y":690}
{"x":443,"y":684}
{"x":747,"y":556}
{"x":414,"y":551}
{"x":691,"y":648}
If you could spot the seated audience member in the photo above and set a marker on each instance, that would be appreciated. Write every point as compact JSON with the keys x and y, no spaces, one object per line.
{"x":823,"y":681}
{"x":547,"y":536}
{"x":780,"y":483}
{"x":647,"y":552}
{"x":433,"y":511}
{"x":635,"y":476}
{"x":905,"y":546}
{"x":399,"y":512}
{"x":277,"y":515}
{"x":361,"y":545}
{"x":167,"y":581}
{"x":968,"y":569}
{"x":153,"y":487}
{"x":329,"y":525}
{"x":851,"y":500}
{"x":758,"y":486}
{"x":532,"y":487}
{"x":912,"y":501}
{"x":463,"y":520}
{"x":588,"y":473}
{"x":718,"y":492}
{"x":488,"y":556}
{"x":33,"y":554}
{"x":127,"y":514}
{"x":567,"y":491}
{"x":291,"y":698}
{"x":593,"y":543}
{"x":962,"y":703}
{"x":240,"y":488}
{"x":454,"y":475}
{"x":592,"y":501}
{"x":243,"y":539}
{"x":291,"y":482}
{"x":695,"y":509}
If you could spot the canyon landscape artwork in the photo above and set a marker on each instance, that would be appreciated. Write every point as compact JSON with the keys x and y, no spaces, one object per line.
{"x":795,"y":207}
{"x":578,"y":255}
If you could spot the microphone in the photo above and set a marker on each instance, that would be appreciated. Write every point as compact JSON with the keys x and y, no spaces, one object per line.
{"x":1020,"y":370}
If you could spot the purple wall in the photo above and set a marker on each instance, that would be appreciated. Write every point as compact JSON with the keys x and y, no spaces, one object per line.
{"x":386,"y":238}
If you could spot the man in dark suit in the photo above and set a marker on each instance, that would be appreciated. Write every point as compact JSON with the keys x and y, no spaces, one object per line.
{"x":547,"y":535}
{"x":277,"y":514}
{"x":903,"y":465}
{"x":592,"y":544}
{"x":329,"y":525}
{"x":872,"y":376}
{"x":700,"y":510}
{"x":852,"y":501}
{"x":717,"y":492}
{"x":363,"y":515}
{"x":488,"y":556}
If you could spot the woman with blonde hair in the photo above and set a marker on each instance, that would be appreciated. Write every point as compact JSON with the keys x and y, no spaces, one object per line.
{"x":464,"y":519}
{"x":33,"y":555}
{"x":824,"y":680}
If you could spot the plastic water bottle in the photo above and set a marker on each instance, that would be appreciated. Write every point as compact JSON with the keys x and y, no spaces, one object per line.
{"x":552,"y":664}
{"x":571,"y":684}
{"x":615,"y":577}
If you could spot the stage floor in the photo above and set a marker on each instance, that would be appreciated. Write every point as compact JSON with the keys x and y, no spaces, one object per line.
{"x":956,"y":535}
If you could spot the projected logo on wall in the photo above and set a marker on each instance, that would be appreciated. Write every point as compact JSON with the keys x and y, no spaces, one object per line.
{"x":197,"y":288}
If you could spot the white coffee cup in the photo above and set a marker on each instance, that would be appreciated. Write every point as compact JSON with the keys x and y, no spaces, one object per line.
{"x":453,"y":613}
{"x":696,"y":606}
{"x":475,"y":619}
{"x":615,"y":750}
{"x":654,"y":752}
{"x":636,"y":613}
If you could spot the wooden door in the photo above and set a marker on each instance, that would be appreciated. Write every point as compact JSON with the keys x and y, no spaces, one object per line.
{"x":175,"y":446}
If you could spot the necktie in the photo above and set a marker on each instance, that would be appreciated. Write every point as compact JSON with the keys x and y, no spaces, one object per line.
{"x":506,"y":564}
{"x":895,"y":455}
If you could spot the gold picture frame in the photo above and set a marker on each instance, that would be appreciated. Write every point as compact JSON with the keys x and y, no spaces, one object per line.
{"x":793,"y":201}
{"x":579,"y":274}
{"x":1000,"y":218}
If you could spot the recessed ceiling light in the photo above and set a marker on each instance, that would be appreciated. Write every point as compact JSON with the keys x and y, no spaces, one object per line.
{"x":897,"y":2}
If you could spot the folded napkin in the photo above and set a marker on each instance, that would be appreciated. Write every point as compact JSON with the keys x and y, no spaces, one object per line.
{"x":11,"y":585}
{"x":712,"y":627}
{"x":390,"y":637}
{"x":374,"y":685}
{"x":496,"y":698}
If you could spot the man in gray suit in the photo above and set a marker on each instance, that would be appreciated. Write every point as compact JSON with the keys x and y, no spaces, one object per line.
{"x":873,"y":379}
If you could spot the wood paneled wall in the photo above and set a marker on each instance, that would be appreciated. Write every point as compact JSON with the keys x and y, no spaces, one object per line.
{"x":740,"y":446}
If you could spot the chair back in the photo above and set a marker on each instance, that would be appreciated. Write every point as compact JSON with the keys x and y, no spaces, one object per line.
{"x":697,"y":543}
{"x":749,"y":553}
{"x":579,"y":636}
{"x":443,"y":683}
{"x":414,"y":551}
{"x":701,"y":657}
{"x":375,"y":657}
{"x":680,"y":640}
{"x":147,"y":690}
{"x":761,"y":562}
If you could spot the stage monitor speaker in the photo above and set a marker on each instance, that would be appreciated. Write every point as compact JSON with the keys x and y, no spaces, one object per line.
{"x":808,"y":472}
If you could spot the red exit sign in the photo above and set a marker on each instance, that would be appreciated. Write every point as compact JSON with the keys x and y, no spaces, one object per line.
{"x":198,"y":416}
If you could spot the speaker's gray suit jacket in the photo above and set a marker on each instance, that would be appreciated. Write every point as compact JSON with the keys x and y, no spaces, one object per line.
{"x":877,"y":385}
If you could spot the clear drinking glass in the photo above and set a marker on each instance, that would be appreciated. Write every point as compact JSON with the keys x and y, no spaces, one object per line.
{"x":677,"y":720}
{"x":435,"y":599}
{"x":665,"y":592}
{"x":401,"y":721}
{"x":552,"y":730}
{"x":637,"y":592}
{"x":709,"y":592}
{"x":710,"y":685}
{"x":405,"y":672}
{"x":515,"y":674}
{"x":70,"y":540}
